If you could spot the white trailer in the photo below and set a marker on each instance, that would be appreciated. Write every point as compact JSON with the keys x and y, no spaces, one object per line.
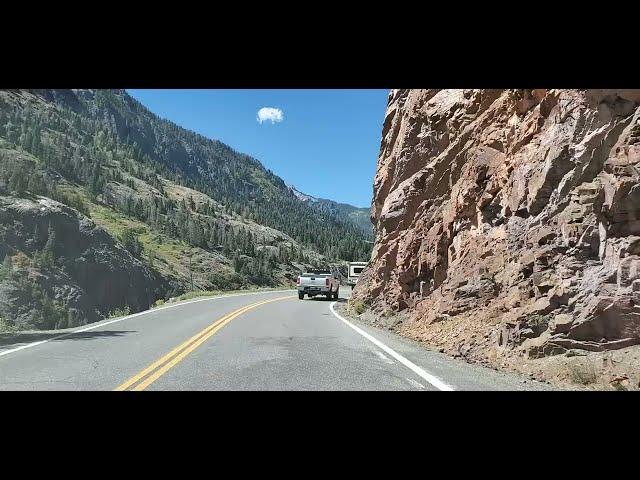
{"x":355,"y":269}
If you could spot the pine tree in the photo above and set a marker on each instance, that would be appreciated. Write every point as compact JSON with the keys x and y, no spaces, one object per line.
{"x":151,"y":259}
{"x":6,"y":268}
{"x":129,"y":239}
{"x":18,"y":182}
{"x":49,"y":250}
{"x":37,"y":236}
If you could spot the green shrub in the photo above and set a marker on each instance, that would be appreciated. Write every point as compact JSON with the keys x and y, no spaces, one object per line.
{"x":198,"y":293}
{"x":50,"y":314}
{"x":73,"y":200}
{"x":6,"y":268}
{"x":151,"y":258}
{"x":358,"y":307}
{"x":119,"y":312}
{"x":7,"y":326}
{"x":226,"y":280}
{"x":20,"y":260}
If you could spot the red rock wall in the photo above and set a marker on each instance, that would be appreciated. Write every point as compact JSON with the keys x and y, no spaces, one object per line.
{"x":511,"y":214}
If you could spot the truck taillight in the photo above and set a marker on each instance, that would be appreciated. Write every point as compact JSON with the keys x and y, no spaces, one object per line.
{"x":298,"y":281}
{"x":326,"y":282}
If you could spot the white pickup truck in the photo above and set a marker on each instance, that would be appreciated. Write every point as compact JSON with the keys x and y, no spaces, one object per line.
{"x":318,"y":283}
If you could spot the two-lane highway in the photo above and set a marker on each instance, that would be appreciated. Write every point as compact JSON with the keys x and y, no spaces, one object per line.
{"x":256,"y":341}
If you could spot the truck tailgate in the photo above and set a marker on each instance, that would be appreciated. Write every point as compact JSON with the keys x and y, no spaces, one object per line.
{"x":313,"y":281}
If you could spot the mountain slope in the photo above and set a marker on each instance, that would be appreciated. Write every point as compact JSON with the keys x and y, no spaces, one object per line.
{"x":233,"y":179}
{"x":360,"y":217}
{"x":189,"y":211}
{"x":61,"y":270}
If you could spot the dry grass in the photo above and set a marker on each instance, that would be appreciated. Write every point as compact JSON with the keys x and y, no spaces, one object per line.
{"x":619,"y":386}
{"x":358,"y":307}
{"x":582,"y":372}
{"x":119,"y":312}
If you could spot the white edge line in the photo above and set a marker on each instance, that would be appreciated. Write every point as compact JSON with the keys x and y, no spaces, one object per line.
{"x":382,"y":356}
{"x":433,"y":380}
{"x":415,"y":383}
{"x":151,"y":310}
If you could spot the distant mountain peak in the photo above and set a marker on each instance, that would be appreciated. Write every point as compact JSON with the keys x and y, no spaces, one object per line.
{"x":345,"y":212}
{"x":301,"y":196}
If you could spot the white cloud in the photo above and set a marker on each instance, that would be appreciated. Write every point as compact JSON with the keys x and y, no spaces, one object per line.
{"x":270,"y":113}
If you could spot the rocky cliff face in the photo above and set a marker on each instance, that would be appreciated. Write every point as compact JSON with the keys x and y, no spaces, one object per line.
{"x":509,"y":220}
{"x":89,"y":274}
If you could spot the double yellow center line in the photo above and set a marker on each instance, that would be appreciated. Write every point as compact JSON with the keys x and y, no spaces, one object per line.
{"x":161,"y":366}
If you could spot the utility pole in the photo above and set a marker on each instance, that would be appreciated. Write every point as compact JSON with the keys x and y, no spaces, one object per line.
{"x":190,"y":253}
{"x":191,"y":270}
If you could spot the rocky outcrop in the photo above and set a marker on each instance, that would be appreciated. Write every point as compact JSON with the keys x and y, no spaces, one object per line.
{"x":89,"y":274}
{"x":509,"y":220}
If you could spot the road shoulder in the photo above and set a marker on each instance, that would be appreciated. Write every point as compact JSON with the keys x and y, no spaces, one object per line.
{"x":458,"y":373}
{"x":11,"y":341}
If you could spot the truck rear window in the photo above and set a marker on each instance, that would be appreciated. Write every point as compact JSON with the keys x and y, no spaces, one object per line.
{"x":358,"y":269}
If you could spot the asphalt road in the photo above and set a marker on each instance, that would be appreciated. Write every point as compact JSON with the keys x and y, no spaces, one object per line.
{"x":264,"y":341}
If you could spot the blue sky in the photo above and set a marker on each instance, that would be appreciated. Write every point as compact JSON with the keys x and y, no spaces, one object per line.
{"x":326,"y":142}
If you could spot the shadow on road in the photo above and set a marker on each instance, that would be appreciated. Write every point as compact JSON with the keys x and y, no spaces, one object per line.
{"x":325,"y":299}
{"x":95,"y":334}
{"x":8,"y":339}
